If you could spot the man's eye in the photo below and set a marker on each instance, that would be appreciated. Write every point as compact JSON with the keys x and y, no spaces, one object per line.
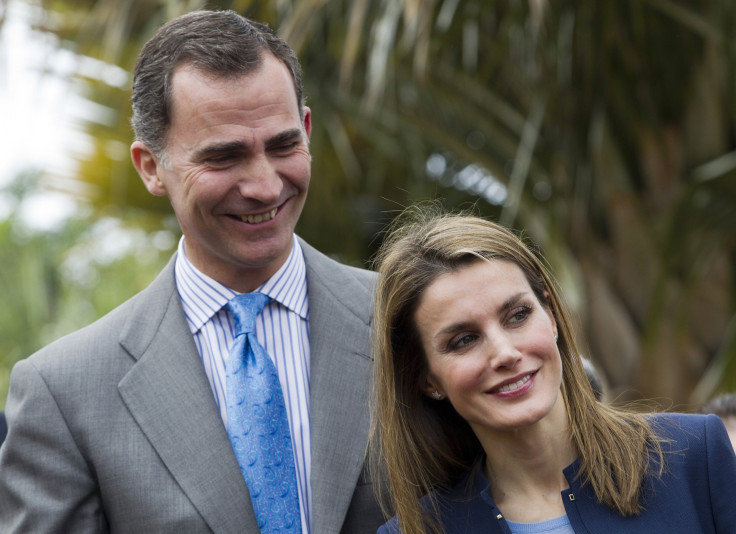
{"x":285,"y":147}
{"x":220,"y":159}
{"x":223,"y":160}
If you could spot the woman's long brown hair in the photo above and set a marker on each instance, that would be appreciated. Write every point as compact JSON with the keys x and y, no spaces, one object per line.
{"x":424,"y":445}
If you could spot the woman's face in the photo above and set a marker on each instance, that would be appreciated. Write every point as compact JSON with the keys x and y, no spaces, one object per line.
{"x":490,"y":346}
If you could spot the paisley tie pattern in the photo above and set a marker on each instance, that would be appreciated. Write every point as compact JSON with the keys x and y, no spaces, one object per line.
{"x":257,"y":424}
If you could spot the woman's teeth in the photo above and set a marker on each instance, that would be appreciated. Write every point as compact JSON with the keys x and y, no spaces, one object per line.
{"x":515,"y":385}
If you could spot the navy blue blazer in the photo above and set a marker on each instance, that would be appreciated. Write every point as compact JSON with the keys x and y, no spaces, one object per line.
{"x":696,"y":493}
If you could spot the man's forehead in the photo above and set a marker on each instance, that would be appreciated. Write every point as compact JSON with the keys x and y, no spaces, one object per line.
{"x":207,"y":77}
{"x":192,"y":70}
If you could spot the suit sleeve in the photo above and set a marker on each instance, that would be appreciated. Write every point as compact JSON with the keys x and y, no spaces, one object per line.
{"x":45,"y":483}
{"x":721,"y":475}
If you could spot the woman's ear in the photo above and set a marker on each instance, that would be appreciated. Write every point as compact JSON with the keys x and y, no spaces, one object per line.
{"x":550,"y":313}
{"x":431,"y":390}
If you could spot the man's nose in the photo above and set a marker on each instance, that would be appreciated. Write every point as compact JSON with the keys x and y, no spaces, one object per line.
{"x":260,"y":180}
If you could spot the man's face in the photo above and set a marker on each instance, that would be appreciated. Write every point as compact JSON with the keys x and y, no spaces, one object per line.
{"x":730,"y":422}
{"x":236,"y":170}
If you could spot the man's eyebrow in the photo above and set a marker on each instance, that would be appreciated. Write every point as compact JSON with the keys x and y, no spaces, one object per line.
{"x":220,"y":148}
{"x":280,"y":138}
{"x":283,"y":137}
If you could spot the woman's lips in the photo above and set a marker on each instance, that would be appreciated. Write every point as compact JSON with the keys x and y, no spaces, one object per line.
{"x":517,"y":386}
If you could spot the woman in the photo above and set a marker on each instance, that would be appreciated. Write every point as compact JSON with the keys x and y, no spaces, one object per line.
{"x":483,"y":405}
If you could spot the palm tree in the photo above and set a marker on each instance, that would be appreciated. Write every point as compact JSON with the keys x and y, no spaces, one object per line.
{"x":604,"y":129}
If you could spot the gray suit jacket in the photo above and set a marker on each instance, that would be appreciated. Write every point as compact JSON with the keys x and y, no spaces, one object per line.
{"x":115,"y":428}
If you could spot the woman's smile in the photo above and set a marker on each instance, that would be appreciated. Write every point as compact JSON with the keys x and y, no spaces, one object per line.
{"x":515,"y":387}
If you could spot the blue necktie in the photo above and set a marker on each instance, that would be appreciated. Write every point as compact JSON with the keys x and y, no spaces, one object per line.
{"x":257,"y":424}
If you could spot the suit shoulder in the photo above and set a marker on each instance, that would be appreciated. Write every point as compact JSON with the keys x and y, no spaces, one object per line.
{"x":669,"y":425}
{"x":76,"y":342}
{"x":322,"y":265}
{"x":364,"y":276}
{"x":99,"y":340}
{"x":688,"y":432}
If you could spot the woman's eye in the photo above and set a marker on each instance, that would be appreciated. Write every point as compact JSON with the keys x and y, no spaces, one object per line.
{"x":520,"y":314}
{"x":462,"y":341}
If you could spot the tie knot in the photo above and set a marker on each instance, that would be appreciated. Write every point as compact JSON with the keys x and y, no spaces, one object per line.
{"x":245,"y":308}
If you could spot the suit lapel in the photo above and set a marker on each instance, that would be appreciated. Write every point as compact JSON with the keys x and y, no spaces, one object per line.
{"x":340,"y":374}
{"x":168,"y":395}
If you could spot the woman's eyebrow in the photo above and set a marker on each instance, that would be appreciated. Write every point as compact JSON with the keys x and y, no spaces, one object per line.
{"x":510,"y":302}
{"x":503,"y":308}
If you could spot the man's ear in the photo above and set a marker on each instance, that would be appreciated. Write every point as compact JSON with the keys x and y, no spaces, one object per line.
{"x":308,"y":121}
{"x":149,"y":167}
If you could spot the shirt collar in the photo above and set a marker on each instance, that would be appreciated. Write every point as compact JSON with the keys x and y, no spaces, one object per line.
{"x":202,"y":297}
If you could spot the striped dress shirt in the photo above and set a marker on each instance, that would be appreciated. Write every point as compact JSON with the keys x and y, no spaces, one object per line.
{"x":282,"y":329}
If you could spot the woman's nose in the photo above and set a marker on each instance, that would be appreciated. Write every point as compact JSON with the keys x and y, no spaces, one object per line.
{"x":503,"y":352}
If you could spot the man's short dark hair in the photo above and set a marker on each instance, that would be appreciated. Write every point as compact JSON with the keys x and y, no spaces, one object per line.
{"x":594,"y":378}
{"x":219,"y":43}
{"x":723,"y":405}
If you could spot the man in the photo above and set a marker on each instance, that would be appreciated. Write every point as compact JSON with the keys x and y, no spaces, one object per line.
{"x":724,"y":406}
{"x":121,"y":426}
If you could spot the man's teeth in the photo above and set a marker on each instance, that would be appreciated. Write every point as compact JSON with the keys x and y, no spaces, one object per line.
{"x":262,"y":217}
{"x":515,"y":385}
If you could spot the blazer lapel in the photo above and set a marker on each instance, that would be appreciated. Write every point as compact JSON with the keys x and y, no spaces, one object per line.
{"x":168,"y":395}
{"x":340,"y":374}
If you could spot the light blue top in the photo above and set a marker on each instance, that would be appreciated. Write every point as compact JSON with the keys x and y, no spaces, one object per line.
{"x":558,"y":525}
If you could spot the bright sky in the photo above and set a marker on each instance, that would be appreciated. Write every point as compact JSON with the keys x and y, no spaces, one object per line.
{"x":41,"y":113}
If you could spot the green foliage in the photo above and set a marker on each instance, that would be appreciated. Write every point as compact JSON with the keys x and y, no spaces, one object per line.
{"x":610,"y":125}
{"x":57,"y":281}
